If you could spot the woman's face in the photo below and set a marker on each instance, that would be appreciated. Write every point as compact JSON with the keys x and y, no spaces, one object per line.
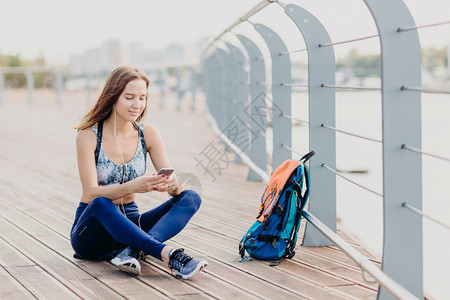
{"x":133,"y":100}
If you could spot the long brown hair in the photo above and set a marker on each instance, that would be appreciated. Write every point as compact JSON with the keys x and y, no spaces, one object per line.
{"x":114,"y":86}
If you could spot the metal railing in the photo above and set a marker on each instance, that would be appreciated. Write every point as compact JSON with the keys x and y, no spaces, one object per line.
{"x":401,"y":275}
{"x":29,"y":73}
{"x":91,"y":79}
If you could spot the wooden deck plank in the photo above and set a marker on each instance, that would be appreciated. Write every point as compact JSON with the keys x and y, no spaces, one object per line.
{"x":306,"y":269}
{"x":23,"y":267}
{"x":219,"y":289}
{"x":66,"y":271}
{"x":139,"y":286}
{"x":273,"y":277}
{"x":226,"y":237}
{"x":10,"y":287}
{"x":209,"y":285}
{"x":41,"y":179}
{"x":305,"y":272}
{"x":41,"y":215}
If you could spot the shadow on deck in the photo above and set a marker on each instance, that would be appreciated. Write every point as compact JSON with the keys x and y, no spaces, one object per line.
{"x":40,"y":191}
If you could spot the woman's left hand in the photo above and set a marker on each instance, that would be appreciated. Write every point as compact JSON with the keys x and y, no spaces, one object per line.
{"x":170,"y":185}
{"x":174,"y":187}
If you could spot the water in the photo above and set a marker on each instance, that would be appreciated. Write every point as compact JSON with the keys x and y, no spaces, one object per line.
{"x":359,"y":211}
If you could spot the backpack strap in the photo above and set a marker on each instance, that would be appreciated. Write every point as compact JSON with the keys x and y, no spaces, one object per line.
{"x":307,"y":156}
{"x":99,"y":140}
{"x":303,"y":198}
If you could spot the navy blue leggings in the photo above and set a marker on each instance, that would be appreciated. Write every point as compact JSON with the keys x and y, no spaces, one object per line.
{"x":101,"y":228}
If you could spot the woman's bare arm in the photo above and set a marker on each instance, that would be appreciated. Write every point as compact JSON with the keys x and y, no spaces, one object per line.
{"x":159,"y":157}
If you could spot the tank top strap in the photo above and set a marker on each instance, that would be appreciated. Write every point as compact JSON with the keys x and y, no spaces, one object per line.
{"x":99,"y":132}
{"x":140,"y":129}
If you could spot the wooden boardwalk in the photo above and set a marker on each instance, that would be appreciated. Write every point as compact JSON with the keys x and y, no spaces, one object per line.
{"x":40,"y":190}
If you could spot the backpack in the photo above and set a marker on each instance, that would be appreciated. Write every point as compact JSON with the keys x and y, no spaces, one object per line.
{"x":274,"y":234}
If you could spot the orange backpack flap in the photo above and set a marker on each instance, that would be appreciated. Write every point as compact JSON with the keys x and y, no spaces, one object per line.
{"x":276,"y":183}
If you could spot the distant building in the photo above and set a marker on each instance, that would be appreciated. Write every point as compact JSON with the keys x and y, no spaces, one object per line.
{"x":174,"y":52}
{"x":114,"y":53}
{"x":99,"y":60}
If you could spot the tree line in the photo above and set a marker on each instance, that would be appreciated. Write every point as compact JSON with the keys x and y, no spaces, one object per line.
{"x":18,"y":80}
{"x":369,"y":65}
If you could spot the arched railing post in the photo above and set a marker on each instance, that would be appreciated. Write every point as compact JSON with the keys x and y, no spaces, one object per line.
{"x":160,"y":83}
{"x":218,"y":89}
{"x":178,"y":89}
{"x":59,"y":82}
{"x":88,"y":88}
{"x":210,"y":81}
{"x":281,"y":103}
{"x":239,"y":98}
{"x":2,"y":87}
{"x":206,"y":80}
{"x":30,"y":85}
{"x":225,"y":102}
{"x":193,"y":87}
{"x":402,"y":170}
{"x":321,"y":69}
{"x":257,"y":110}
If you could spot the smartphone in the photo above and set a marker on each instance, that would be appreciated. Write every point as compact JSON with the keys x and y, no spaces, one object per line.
{"x":165,"y":171}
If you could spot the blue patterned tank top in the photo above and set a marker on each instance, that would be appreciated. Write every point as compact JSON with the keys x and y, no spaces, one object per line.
{"x":110,"y":173}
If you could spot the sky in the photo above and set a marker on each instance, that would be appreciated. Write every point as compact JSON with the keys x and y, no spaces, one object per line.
{"x":57,"y":29}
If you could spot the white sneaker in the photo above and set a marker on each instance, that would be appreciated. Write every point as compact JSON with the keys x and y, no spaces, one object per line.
{"x":128,"y":261}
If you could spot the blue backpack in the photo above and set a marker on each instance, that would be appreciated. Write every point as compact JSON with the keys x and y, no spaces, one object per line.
{"x":274,"y":234}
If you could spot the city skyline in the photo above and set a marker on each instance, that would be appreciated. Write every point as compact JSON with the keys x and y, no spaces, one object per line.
{"x":115,"y":52}
{"x":59,"y":30}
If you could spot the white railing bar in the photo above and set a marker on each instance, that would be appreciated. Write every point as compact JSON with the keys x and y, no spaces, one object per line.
{"x":363,"y":262}
{"x":298,"y":91}
{"x":244,"y":18}
{"x":261,"y":133}
{"x":32,"y":69}
{"x":265,"y":83}
{"x":349,"y":41}
{"x":293,"y":51}
{"x":254,"y":24}
{"x":295,"y":84}
{"x":279,"y":54}
{"x":425,"y":90}
{"x":425,"y":153}
{"x":264,"y":176}
{"x":417,"y":211}
{"x":350,"y":87}
{"x":290,"y":149}
{"x":352,"y":134}
{"x":283,"y":5}
{"x":292,"y":118}
{"x":422,"y":26}
{"x":349,"y":180}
